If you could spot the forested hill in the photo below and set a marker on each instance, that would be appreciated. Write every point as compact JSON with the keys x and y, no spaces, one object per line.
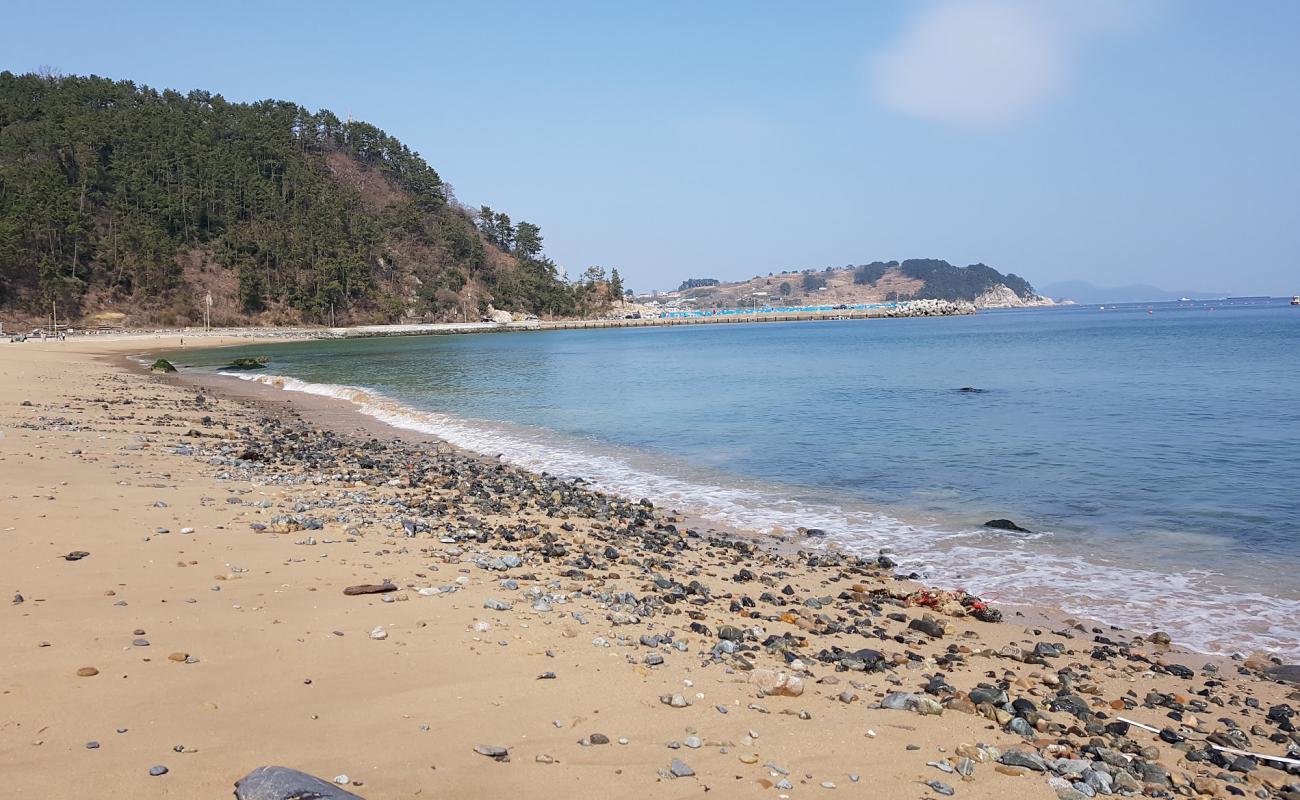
{"x":119,"y":198}
{"x":878,"y":281}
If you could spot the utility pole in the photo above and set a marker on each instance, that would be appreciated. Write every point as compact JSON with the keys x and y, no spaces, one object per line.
{"x":207,"y":312}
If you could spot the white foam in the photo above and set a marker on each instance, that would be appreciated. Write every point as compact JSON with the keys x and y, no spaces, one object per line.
{"x":1193,"y":607}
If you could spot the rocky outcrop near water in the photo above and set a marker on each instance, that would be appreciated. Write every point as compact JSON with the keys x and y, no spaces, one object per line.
{"x":1001,"y":296}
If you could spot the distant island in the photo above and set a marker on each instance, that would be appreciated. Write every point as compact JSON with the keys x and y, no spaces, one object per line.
{"x":126,"y":204}
{"x":1088,"y":294}
{"x":876,"y":282}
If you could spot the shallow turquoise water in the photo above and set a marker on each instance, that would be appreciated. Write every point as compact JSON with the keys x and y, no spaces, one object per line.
{"x":1155,"y":455}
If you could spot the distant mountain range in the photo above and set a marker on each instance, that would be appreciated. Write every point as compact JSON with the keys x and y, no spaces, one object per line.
{"x":1087,"y":293}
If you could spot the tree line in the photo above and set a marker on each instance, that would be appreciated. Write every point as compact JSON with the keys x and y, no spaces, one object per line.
{"x":114,"y":194}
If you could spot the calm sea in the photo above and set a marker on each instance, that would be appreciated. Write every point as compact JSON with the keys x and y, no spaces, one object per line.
{"x":1153,"y":450}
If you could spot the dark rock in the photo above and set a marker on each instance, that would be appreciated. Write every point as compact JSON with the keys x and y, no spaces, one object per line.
{"x":731,"y":633}
{"x":76,"y":555}
{"x":282,"y":783}
{"x":1289,"y":673}
{"x":1005,"y":525}
{"x":929,"y":627}
{"x":1180,"y":671}
{"x":1021,"y":757}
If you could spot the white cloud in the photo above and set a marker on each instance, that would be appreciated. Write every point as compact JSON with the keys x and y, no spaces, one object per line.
{"x":989,"y":62}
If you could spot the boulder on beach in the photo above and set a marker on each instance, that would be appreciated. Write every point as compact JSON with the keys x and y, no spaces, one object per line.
{"x":283,"y":783}
{"x":1006,"y":525}
{"x":162,"y":365}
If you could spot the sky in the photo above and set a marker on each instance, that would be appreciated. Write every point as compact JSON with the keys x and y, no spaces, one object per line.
{"x":1135,"y":141}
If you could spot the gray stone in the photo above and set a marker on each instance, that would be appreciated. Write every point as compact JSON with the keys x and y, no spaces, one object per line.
{"x":679,"y":769}
{"x":493,"y":751}
{"x":900,"y":701}
{"x":1019,"y":726}
{"x":1019,"y":757}
{"x":282,"y":783}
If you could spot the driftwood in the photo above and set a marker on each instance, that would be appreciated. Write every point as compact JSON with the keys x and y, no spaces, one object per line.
{"x":1234,"y":751}
{"x":370,"y":588}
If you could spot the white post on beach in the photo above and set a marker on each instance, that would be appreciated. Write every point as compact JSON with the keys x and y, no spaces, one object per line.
{"x":207,"y":312}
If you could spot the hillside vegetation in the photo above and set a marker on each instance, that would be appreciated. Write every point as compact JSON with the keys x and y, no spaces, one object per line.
{"x":121,"y":198}
{"x":879,"y":281}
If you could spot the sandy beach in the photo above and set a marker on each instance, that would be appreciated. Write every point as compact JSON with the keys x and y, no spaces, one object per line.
{"x":603,"y":645}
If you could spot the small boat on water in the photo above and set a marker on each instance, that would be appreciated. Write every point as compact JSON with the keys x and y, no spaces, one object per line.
{"x":1295,"y":299}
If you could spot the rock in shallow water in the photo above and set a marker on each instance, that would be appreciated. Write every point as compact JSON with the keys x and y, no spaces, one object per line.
{"x":282,"y":783}
{"x":1005,"y":525}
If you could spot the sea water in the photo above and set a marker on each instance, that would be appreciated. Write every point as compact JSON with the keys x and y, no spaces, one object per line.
{"x":1153,"y":451}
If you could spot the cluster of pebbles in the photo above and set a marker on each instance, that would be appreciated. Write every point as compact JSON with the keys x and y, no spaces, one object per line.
{"x":897,"y":646}
{"x":804,"y":630}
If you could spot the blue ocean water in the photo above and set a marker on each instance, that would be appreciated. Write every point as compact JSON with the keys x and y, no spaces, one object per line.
{"x":1154,"y":451}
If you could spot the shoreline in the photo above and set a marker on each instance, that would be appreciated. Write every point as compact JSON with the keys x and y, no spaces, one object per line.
{"x":935,"y":568}
{"x":901,"y":310}
{"x":526,"y":575}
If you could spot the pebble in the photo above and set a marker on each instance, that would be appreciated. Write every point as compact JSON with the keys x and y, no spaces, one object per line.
{"x":157,"y":770}
{"x":87,"y":672}
{"x":493,"y":751}
{"x":679,"y":769}
{"x":92,"y":745}
{"x":379,"y":633}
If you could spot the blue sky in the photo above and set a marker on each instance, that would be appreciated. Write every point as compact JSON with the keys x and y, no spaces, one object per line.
{"x":1146,"y":141}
